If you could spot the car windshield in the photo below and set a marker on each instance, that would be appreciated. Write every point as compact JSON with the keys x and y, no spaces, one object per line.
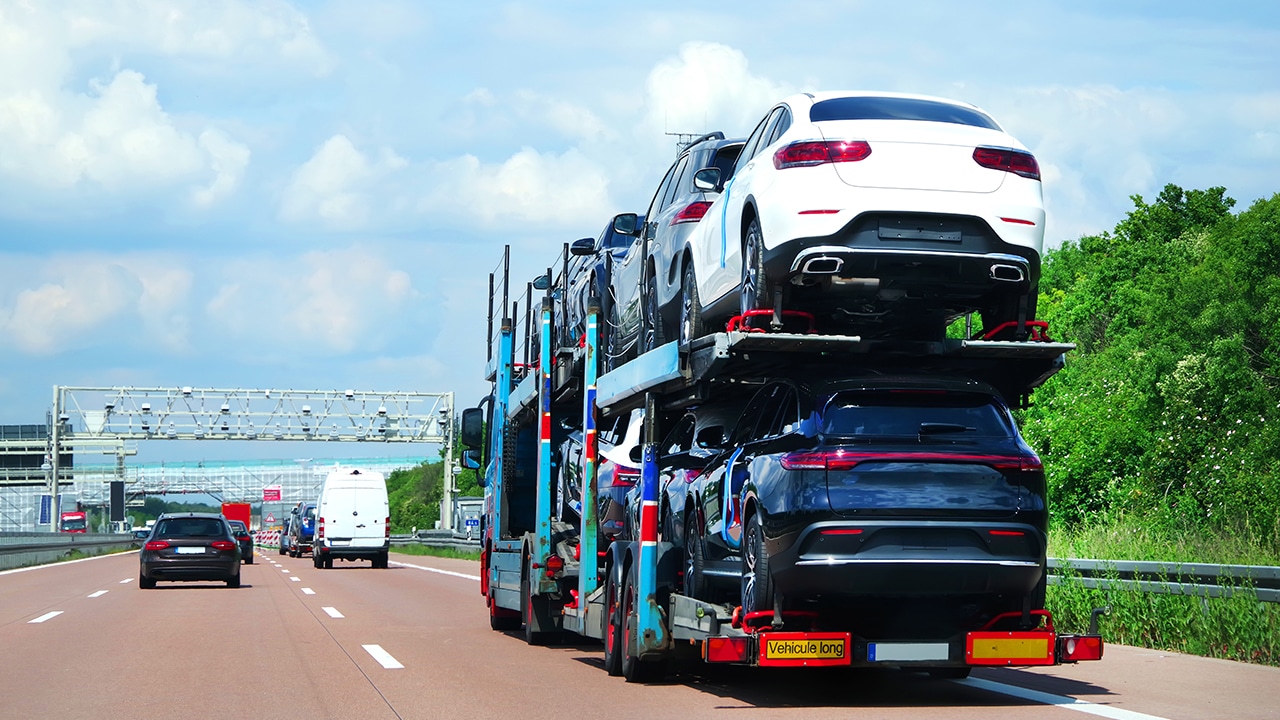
{"x":191,"y":527}
{"x":895,"y":108}
{"x":945,"y":415}
{"x":237,"y":526}
{"x":77,"y":524}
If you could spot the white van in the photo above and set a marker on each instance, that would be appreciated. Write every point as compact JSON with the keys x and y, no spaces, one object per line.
{"x":353,"y":521}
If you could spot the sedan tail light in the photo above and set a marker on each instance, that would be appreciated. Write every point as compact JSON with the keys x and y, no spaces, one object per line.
{"x":222,"y":545}
{"x":1008,"y":160}
{"x":692,"y":213}
{"x":156,"y":545}
{"x":808,"y":153}
{"x":626,"y":476}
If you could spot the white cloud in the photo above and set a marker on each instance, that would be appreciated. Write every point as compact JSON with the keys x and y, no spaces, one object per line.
{"x":547,"y":189}
{"x":336,"y":186}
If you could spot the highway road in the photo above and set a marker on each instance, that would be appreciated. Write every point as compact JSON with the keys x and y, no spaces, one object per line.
{"x":81,"y":640}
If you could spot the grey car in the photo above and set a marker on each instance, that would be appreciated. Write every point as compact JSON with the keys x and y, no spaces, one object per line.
{"x":190,"y":546}
{"x":651,"y":272}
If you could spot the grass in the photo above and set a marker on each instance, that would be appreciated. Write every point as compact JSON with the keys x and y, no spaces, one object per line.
{"x":1235,"y":628}
{"x":437,"y":552}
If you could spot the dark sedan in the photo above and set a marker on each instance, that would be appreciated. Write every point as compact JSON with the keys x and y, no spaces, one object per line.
{"x":190,"y":546}
{"x":241,"y":531}
{"x":869,"y":496}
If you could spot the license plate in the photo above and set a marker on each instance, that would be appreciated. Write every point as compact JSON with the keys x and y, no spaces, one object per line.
{"x":907,"y":652}
{"x":804,"y":649}
{"x":190,"y":551}
{"x":891,"y":229}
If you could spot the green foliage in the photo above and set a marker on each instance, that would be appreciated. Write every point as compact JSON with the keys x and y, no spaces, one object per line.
{"x":437,"y":552}
{"x":1168,"y":410}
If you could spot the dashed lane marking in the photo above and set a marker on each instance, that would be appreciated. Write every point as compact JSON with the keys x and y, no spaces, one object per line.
{"x":308,"y":591}
{"x":46,"y":616}
{"x":1069,"y":703}
{"x":100,"y":593}
{"x":295,"y":578}
{"x":383,"y":657}
{"x":332,"y":612}
{"x":437,"y":570}
{"x":126,"y":580}
{"x":284,"y":571}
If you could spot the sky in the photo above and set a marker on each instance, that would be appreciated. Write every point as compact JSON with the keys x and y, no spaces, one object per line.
{"x":310,"y":195}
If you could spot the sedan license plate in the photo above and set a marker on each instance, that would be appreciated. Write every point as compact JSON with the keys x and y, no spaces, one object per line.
{"x":190,"y":551}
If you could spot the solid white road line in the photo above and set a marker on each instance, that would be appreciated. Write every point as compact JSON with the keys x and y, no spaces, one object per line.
{"x":295,"y":578}
{"x":1069,"y":703}
{"x":64,"y":562}
{"x":437,"y":570}
{"x":333,"y":612}
{"x":382,"y":656}
{"x":46,"y":616}
{"x":126,"y":580}
{"x":100,"y":593}
{"x":308,"y":591}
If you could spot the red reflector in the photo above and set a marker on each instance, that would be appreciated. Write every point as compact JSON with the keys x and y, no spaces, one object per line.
{"x":808,"y":153}
{"x":1007,"y":533}
{"x":1074,"y":648}
{"x":156,"y":545}
{"x":222,"y":545}
{"x":1008,"y":160}
{"x":725,"y":649}
{"x":819,"y":212}
{"x":842,"y":531}
{"x":692,"y":213}
{"x":554,"y":564}
{"x":1018,"y":221}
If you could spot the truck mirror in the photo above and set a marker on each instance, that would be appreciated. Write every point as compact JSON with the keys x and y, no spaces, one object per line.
{"x":471,"y":459}
{"x":472,"y":428}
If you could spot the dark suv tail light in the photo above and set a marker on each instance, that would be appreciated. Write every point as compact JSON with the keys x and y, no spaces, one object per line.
{"x":844,"y":460}
{"x":1008,"y":160}
{"x":807,"y":153}
{"x":156,"y":545}
{"x":692,"y":213}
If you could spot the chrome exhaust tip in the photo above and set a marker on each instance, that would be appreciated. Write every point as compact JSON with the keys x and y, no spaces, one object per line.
{"x":822,"y":265}
{"x":1001,"y":272}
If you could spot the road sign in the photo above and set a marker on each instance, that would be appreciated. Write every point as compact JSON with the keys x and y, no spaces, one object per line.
{"x":271,"y":517}
{"x":271,"y":494}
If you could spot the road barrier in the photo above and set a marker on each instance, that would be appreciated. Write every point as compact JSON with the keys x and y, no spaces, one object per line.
{"x":18,"y":549}
{"x":1199,"y":579}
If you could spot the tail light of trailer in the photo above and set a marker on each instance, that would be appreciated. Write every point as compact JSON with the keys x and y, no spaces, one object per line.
{"x":808,"y":153}
{"x":725,"y":649}
{"x":320,"y":529}
{"x":1009,"y":160}
{"x":156,"y":545}
{"x":222,"y":545}
{"x":692,"y":213}
{"x":1075,"y":648}
{"x":553,"y":565}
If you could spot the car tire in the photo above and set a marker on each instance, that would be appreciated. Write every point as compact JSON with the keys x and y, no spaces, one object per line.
{"x":635,"y":669}
{"x":282,"y":549}
{"x":690,"y":307}
{"x":756,"y":292}
{"x":695,"y":561}
{"x":248,"y":559}
{"x":234,"y":582}
{"x":757,"y":583}
{"x":328,"y":563}
{"x":655,"y":335}
{"x":315,"y":560}
{"x":146,"y":583}
{"x":613,"y":624}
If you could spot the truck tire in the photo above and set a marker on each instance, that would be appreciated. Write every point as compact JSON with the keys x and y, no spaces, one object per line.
{"x":612,"y":624}
{"x":635,"y":669}
{"x":501,"y":619}
{"x":535,"y":614}
{"x":757,"y":583}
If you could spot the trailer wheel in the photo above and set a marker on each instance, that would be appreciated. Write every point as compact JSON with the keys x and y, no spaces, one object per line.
{"x":635,"y":669}
{"x":612,"y":624}
{"x":757,"y":583}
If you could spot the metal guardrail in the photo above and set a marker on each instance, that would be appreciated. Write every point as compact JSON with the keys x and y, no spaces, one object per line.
{"x":442,"y":539}
{"x":1170,"y":578}
{"x":18,"y":549}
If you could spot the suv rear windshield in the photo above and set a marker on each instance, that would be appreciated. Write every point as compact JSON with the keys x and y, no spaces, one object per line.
{"x":893,"y":108}
{"x":191,"y":527}
{"x":951,"y":415}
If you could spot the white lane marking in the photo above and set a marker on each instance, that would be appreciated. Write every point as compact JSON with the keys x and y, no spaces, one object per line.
{"x":308,"y":591}
{"x":437,"y":570}
{"x":382,"y":656}
{"x":46,"y":616}
{"x":284,"y":571}
{"x":333,"y":612}
{"x":295,"y":578}
{"x":126,"y":580}
{"x":65,"y":562}
{"x":1069,"y":703}
{"x":100,"y":593}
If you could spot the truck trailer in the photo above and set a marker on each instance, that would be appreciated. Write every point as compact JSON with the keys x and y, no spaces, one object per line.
{"x":553,"y":573}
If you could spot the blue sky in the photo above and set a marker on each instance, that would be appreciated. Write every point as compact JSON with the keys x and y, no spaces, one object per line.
{"x":310,"y":195}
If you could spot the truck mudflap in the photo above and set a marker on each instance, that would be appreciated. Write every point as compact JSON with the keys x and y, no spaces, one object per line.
{"x":761,"y":645}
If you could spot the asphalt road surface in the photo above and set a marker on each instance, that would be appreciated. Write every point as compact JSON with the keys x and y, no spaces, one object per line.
{"x":81,"y":640}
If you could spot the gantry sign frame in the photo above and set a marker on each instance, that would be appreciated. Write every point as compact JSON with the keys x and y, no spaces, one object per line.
{"x":118,"y":414}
